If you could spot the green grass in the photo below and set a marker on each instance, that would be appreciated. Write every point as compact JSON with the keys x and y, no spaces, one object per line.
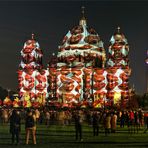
{"x":57,"y":136}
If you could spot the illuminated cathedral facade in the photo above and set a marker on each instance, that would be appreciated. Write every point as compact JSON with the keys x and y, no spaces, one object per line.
{"x":80,"y":72}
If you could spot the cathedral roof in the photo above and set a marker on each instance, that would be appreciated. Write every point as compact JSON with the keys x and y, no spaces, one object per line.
{"x":81,"y":39}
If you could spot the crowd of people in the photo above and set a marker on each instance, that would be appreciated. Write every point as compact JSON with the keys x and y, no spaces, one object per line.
{"x":106,"y":119}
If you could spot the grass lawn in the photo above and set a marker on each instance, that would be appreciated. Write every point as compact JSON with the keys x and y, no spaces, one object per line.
{"x":57,"y":136}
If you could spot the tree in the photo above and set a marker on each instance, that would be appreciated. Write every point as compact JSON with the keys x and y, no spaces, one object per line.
{"x":145,"y":101}
{"x":3,"y":93}
{"x":133,"y":101}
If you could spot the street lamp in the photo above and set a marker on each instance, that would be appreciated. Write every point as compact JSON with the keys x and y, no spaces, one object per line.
{"x":8,"y":90}
{"x":146,"y":61}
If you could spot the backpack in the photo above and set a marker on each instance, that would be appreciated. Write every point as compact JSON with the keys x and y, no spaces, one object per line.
{"x":30,"y":122}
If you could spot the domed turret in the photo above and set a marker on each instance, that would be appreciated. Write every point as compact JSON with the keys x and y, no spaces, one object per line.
{"x":81,"y":44}
{"x":118,"y":68}
{"x":118,"y":50}
{"x":32,"y":78}
{"x":31,"y":55}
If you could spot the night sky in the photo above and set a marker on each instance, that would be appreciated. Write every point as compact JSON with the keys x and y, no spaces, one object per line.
{"x":51,"y":20}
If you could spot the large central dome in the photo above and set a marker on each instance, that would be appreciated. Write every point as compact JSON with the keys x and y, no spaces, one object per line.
{"x":81,"y":41}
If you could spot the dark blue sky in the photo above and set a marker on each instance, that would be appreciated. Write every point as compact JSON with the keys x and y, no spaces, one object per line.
{"x":51,"y":20}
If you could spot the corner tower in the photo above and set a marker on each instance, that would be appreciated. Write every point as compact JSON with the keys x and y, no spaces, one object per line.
{"x":118,"y":68}
{"x":32,"y":78}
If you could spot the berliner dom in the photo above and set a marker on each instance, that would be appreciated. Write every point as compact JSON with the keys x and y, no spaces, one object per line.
{"x":80,"y":73}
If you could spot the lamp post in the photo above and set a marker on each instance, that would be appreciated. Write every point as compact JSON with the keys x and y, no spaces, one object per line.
{"x":92,"y":85}
{"x":84,"y":87}
{"x":146,"y":61}
{"x":8,"y":90}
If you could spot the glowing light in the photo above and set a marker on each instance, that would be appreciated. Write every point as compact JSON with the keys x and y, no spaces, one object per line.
{"x":117,"y":97}
{"x":146,"y":61}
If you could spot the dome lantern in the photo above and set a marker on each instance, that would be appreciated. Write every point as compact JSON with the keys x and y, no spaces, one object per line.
{"x":83,"y":19}
{"x":32,"y":36}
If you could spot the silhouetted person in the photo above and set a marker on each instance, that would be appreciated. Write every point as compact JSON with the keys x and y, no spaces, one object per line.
{"x":141,"y":116}
{"x":95,"y":124}
{"x":113,"y":122}
{"x":122,"y":119}
{"x":107,"y":123}
{"x":131,"y":120}
{"x":78,"y":126}
{"x":15,"y":126}
{"x":136,"y":122}
{"x":30,"y":127}
{"x":146,"y":122}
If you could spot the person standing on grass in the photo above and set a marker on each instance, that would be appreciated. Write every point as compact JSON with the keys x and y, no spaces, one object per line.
{"x":141,"y":116}
{"x":136,"y":122}
{"x":47,"y":118}
{"x":5,"y":116}
{"x":146,"y":122}
{"x":113,"y":122}
{"x":41,"y":116}
{"x":122,"y":119}
{"x":127,"y":120}
{"x":95,"y":122}
{"x":37,"y":115}
{"x":107,"y":123}
{"x":78,"y":125}
{"x":30,"y":126}
{"x":15,"y":126}
{"x":131,"y":120}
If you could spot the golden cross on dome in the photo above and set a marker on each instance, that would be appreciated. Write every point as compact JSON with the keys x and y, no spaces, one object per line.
{"x":32,"y":36}
{"x":118,"y":29}
{"x":83,"y":19}
{"x":83,"y":11}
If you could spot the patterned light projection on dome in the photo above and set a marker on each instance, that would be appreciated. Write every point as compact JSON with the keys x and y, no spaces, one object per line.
{"x":79,"y":73}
